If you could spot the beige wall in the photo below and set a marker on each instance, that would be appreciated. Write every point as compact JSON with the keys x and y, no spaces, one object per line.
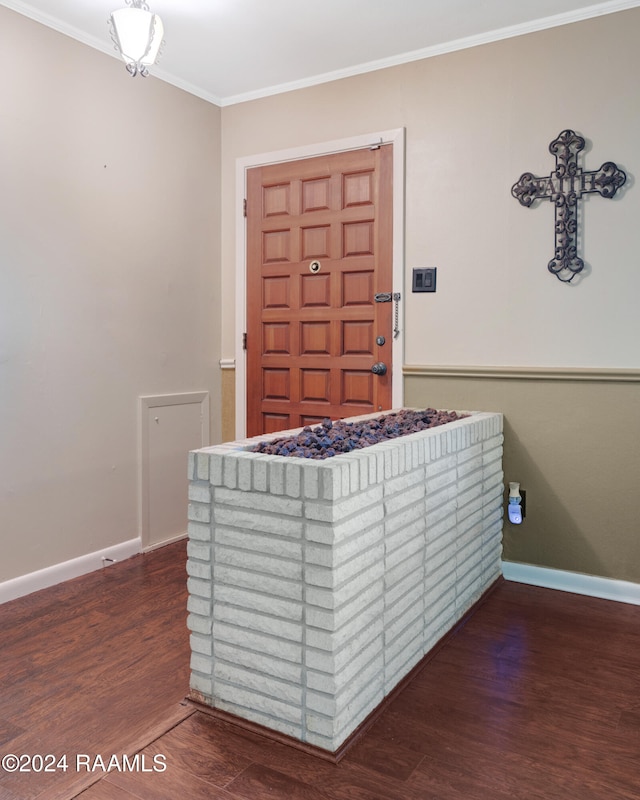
{"x":112,"y":236}
{"x":109,"y":284}
{"x":475,"y":120}
{"x":574,"y":445}
{"x":228,"y":400}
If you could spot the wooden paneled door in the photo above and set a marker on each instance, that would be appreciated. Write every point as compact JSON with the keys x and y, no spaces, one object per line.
{"x":319,"y":248}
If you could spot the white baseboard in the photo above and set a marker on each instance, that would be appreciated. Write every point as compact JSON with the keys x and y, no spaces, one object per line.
{"x":574,"y":582}
{"x":151,"y":547}
{"x":50,"y":576}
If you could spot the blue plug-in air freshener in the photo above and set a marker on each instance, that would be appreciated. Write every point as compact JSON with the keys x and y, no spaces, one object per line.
{"x":514,"y":508}
{"x":515,"y":513}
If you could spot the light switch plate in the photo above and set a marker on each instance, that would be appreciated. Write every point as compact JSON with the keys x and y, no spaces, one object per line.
{"x":424,"y":279}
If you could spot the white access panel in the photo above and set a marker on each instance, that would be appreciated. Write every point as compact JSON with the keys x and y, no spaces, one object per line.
{"x":170,"y":426}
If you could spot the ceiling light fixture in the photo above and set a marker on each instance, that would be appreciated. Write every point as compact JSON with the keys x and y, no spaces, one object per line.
{"x":137,"y":35}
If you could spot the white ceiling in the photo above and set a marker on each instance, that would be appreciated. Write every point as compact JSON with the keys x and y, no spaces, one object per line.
{"x":227,"y":51}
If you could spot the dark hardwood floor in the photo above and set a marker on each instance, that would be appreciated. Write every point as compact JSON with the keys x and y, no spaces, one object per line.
{"x":536,"y":697}
{"x":93,"y":666}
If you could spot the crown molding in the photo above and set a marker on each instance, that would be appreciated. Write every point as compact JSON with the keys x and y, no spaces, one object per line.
{"x":556,"y":20}
{"x":566,"y":18}
{"x":104,"y":46}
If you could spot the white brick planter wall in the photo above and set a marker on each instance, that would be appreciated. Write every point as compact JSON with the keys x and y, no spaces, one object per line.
{"x":316,"y":586}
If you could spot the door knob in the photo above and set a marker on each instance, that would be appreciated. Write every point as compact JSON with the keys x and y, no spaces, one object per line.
{"x":379,"y":368}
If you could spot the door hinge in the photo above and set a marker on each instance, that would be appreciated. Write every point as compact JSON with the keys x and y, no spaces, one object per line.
{"x":244,"y":341}
{"x":244,"y":207}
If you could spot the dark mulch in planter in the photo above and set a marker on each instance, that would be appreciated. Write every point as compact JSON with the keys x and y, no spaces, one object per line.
{"x":332,"y":438}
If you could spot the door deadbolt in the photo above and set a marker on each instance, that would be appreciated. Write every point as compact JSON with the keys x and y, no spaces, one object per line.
{"x":380,"y":340}
{"x":315,"y":266}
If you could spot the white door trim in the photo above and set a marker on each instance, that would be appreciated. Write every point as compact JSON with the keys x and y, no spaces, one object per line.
{"x":395,"y":137}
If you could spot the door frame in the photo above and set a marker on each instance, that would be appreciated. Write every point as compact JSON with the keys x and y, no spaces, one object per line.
{"x":396,"y":137}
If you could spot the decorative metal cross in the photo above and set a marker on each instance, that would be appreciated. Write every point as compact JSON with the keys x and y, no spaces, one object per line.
{"x":564,"y":187}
